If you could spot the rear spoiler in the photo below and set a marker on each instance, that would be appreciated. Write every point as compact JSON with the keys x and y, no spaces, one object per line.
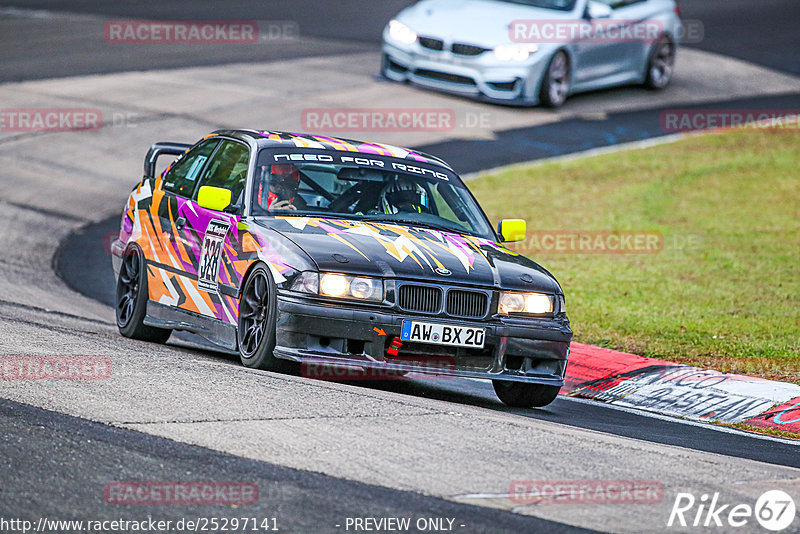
{"x":161,"y":149}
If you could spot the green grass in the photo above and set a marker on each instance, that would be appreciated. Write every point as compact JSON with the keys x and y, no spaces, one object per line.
{"x":758,"y":430}
{"x":730,"y":300}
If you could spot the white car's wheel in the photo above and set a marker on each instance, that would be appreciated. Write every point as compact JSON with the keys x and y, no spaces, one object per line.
{"x":555,"y":85}
{"x":660,"y":64}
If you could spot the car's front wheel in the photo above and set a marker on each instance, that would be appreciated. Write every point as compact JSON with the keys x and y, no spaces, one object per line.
{"x":132,"y":296}
{"x":257,"y":318}
{"x":660,"y":64}
{"x":555,"y":85}
{"x":522,"y":395}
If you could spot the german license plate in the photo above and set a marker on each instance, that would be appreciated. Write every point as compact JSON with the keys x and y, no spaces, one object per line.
{"x":443,"y":334}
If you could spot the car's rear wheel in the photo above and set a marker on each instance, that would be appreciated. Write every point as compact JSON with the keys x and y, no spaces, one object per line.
{"x":132,"y":296}
{"x":555,"y":85}
{"x":257,"y":317}
{"x":522,"y":395}
{"x":660,"y":64}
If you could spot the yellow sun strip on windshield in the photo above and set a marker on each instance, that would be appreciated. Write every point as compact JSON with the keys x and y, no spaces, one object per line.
{"x":343,"y":240}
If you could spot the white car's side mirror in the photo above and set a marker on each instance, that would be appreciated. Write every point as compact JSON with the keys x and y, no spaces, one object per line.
{"x":597,"y":10}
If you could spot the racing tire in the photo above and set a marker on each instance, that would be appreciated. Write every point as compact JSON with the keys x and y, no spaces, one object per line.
{"x":132,"y":297}
{"x":555,"y":84}
{"x":522,"y":395}
{"x":258,"y":311}
{"x":660,"y":64}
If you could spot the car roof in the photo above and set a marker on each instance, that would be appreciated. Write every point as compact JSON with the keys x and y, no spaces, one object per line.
{"x":271,"y":138}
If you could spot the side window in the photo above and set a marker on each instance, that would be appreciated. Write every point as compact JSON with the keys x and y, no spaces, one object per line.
{"x":182,"y":177}
{"x":228,"y":169}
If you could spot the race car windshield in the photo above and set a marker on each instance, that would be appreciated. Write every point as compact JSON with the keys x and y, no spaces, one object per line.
{"x":336,"y":190}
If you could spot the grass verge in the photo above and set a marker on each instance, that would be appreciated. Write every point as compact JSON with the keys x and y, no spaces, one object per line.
{"x":723,"y":293}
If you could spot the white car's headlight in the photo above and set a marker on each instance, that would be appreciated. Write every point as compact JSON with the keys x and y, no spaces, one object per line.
{"x":401,"y":33}
{"x":515,"y":52}
{"x":535,"y":303}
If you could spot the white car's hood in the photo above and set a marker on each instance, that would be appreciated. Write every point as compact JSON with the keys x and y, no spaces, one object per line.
{"x":479,"y":22}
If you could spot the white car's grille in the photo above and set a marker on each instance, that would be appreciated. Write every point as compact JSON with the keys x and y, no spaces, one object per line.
{"x":462,"y":49}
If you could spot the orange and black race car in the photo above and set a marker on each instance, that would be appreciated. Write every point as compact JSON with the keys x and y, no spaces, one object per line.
{"x":306,"y":248}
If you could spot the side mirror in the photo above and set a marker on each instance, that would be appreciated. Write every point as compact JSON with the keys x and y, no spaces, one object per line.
{"x":512,"y":230}
{"x":598,"y":10}
{"x":214,"y":198}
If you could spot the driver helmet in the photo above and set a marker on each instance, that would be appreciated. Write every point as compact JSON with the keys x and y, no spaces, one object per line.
{"x":284,"y":179}
{"x":404,"y":195}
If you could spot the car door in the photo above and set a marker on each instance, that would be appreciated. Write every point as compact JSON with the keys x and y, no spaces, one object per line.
{"x":174,"y":248}
{"x":216,"y":234}
{"x":608,"y":55}
{"x":636,"y":16}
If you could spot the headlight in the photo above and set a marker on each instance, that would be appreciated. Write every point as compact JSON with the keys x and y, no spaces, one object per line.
{"x":401,"y":33}
{"x":307,"y":282}
{"x":339,"y":286}
{"x":516,"y":52}
{"x":536,"y":303}
{"x":354,"y":287}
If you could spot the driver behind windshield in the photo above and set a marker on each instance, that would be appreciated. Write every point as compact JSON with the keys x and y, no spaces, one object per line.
{"x":281,"y":194}
{"x":404,"y":195}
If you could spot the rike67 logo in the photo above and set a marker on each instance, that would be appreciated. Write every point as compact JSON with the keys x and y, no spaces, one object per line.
{"x":774,"y":510}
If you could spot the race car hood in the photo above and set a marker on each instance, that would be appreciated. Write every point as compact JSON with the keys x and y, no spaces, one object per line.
{"x":479,"y":22}
{"x":415,"y":253}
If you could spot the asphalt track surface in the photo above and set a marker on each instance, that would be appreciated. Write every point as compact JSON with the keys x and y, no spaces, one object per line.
{"x":45,"y":453}
{"x":759,"y":31}
{"x":35,"y":438}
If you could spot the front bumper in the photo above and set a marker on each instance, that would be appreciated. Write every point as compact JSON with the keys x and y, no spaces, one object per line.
{"x":479,"y":77}
{"x":534,"y":351}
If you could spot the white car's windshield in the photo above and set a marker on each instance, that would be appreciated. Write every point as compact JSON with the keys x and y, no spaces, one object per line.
{"x":439,"y":200}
